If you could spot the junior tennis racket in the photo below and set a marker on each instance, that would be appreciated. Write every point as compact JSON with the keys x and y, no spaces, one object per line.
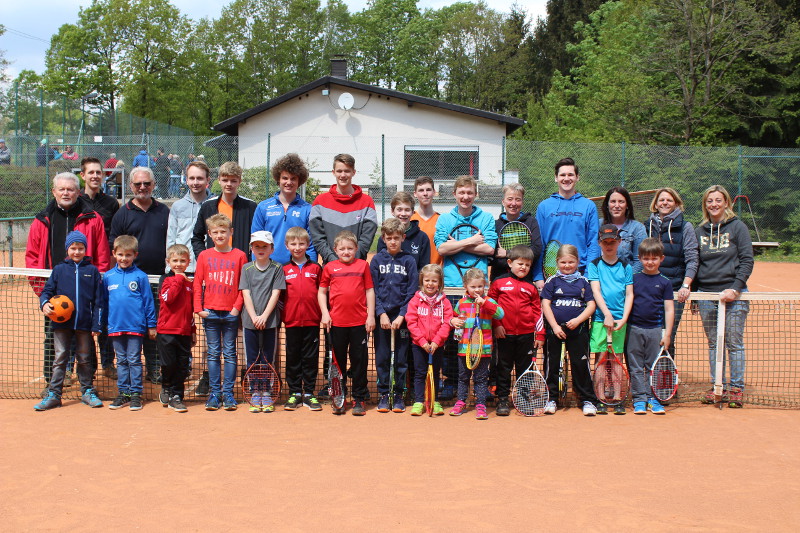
{"x":261,"y":385}
{"x":530,"y":393}
{"x":549,"y":262}
{"x":664,"y":376}
{"x":430,"y":386}
{"x":475,"y":344}
{"x":464,"y":260}
{"x":562,"y":370}
{"x":335,"y":379}
{"x":391,"y":371}
{"x":611,"y":381}
{"x":513,"y":234}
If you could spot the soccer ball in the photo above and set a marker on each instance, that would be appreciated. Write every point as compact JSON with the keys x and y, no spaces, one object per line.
{"x":62,"y":308}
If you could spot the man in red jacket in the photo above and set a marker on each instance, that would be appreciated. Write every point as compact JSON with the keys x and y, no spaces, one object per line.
{"x":66,"y":212}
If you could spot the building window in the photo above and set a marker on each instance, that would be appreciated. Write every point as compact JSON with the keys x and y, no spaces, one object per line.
{"x":441,"y":163}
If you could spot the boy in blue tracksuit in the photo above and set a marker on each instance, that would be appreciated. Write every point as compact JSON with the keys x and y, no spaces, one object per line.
{"x":569,"y":218}
{"x":131,"y":316}
{"x":79,"y":280}
{"x":394,"y":276}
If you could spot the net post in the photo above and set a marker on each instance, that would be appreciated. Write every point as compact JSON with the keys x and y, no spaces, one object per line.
{"x":720,"y":355}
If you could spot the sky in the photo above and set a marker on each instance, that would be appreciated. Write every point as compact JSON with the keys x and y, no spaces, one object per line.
{"x":29,"y":26}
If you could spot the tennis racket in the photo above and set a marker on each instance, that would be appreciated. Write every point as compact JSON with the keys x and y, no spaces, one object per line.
{"x":530,"y":393}
{"x":261,"y":385}
{"x":391,"y":372}
{"x":430,"y":386}
{"x":549,"y":263}
{"x":513,"y":234}
{"x":664,"y":376}
{"x":475,"y":345}
{"x":464,"y":260}
{"x":562,"y":370}
{"x":611,"y":382}
{"x":335,"y":379}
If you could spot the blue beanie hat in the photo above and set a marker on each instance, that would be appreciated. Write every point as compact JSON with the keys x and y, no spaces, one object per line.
{"x":75,"y":236}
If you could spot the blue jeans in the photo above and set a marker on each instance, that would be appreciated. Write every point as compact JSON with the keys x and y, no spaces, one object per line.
{"x":735,"y":318}
{"x":221,"y":330}
{"x":129,"y":363}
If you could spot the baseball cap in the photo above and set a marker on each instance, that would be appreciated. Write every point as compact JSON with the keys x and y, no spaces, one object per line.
{"x":608,"y":231}
{"x":261,"y":236}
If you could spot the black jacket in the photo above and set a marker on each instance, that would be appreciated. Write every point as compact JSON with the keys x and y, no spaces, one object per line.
{"x":243,"y":211}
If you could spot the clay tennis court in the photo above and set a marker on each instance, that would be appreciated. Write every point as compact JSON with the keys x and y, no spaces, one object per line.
{"x":697,"y":468}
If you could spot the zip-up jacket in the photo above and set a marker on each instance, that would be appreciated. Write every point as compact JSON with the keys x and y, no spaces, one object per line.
{"x":270,"y":216}
{"x":569,"y":221}
{"x":416,"y":243}
{"x":511,"y":292}
{"x":143,"y":160}
{"x":489,"y":312}
{"x":478,"y":218}
{"x":726,"y":256}
{"x":395,"y":280}
{"x":175,"y":316}
{"x":131,"y":309}
{"x":428,"y":318}
{"x":300,"y":304}
{"x":180,"y":225}
{"x":332,"y":213}
{"x":88,"y":222}
{"x":680,"y":246}
{"x":500,"y":264}
{"x":83,"y":284}
{"x":243,"y":211}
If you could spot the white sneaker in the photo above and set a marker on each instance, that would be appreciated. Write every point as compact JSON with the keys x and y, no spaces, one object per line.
{"x":589,"y":409}
{"x":550,"y":407}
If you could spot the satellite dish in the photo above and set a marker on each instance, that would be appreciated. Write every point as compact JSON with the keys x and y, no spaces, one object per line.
{"x":346,"y":101}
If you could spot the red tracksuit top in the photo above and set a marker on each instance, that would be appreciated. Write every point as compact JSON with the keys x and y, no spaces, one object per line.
{"x":300,"y":304}
{"x":175,"y":315}
{"x":521,"y":296}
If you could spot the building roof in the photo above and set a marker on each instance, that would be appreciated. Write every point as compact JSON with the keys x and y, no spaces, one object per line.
{"x":231,"y":125}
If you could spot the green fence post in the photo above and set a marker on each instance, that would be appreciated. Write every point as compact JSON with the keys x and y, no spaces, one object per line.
{"x":622,"y":178}
{"x":41,"y":112}
{"x":11,"y":244}
{"x":16,"y":107}
{"x":739,"y":180}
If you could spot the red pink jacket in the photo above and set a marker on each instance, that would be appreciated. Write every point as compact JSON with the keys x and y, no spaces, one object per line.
{"x":510,"y":292}
{"x":428,"y":318}
{"x":300,"y":304}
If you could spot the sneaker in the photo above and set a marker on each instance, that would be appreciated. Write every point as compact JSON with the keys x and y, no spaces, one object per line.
{"x":229,"y":402}
{"x":602,"y":409}
{"x":589,"y":409}
{"x":655,"y":407}
{"x":255,"y":403}
{"x":50,"y":401}
{"x":550,"y":407}
{"x":312,"y":403}
{"x":110,"y":372}
{"x":120,"y":401}
{"x":337,"y":410}
{"x":136,"y":402}
{"x":383,"y":403}
{"x":358,"y":408}
{"x":292,"y":403}
{"x":202,"y":385}
{"x":90,"y":398}
{"x":503,"y":408}
{"x":458,"y":409}
{"x":399,"y":405}
{"x":480,"y":412}
{"x":709,"y":397}
{"x":164,"y":397}
{"x":269,"y":408}
{"x":735,"y":398}
{"x":639,"y":408}
{"x":177,"y":405}
{"x":437,"y":409}
{"x":213,"y":403}
{"x":619,"y":409}
{"x":417,"y":409}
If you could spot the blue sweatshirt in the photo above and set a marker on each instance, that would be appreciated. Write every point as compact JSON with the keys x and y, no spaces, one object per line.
{"x":81,"y":283}
{"x":569,"y":221}
{"x":270,"y":216}
{"x":131,"y":308}
{"x":416,"y":243}
{"x":395,"y":281}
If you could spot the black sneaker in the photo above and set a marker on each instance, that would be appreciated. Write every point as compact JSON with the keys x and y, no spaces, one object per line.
{"x":136,"y":402}
{"x":202,"y":385}
{"x":602,"y":409}
{"x":358,"y":408}
{"x":312,"y":403}
{"x":502,"y":407}
{"x":177,"y":405}
{"x":119,"y":401}
{"x":164,"y":397}
{"x":292,"y":403}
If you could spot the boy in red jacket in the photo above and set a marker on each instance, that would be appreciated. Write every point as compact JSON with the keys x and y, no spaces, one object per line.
{"x":175,"y":328}
{"x":516,"y":333}
{"x":301,"y":317}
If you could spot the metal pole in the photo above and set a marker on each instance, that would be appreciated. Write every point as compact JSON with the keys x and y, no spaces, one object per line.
{"x":383,"y":177}
{"x":41,"y":112}
{"x":503,"y":164}
{"x":739,"y":179}
{"x":64,"y":117}
{"x":11,"y":244}
{"x":16,"y":106}
{"x":623,"y":165}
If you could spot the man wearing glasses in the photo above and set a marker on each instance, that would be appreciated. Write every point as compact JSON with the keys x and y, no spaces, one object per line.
{"x":147,"y":220}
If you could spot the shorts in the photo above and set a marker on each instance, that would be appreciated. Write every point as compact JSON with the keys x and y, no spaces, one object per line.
{"x":598,"y":340}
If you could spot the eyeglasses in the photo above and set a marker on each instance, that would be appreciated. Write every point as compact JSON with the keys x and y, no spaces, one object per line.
{"x":142,"y":184}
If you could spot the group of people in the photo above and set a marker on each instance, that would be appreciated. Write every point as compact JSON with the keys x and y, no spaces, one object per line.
{"x":305,"y":265}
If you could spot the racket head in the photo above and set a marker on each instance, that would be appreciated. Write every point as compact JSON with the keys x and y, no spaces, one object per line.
{"x":263,"y":380}
{"x":549,"y":256}
{"x":513,"y":234}
{"x":464,"y":260}
{"x":335,"y":386}
{"x":664,"y":378}
{"x":562,"y":373}
{"x":475,"y":348}
{"x":611,"y":383}
{"x":530,"y":393}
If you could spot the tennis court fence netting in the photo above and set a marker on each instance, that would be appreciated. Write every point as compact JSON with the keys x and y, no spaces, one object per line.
{"x":771,"y":336}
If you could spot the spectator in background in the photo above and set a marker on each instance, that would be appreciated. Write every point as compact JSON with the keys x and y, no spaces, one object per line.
{"x":5,"y":153}
{"x":175,"y":171}
{"x":142,"y":159}
{"x":69,"y":154}
{"x":161,"y":172}
{"x":43,"y":154}
{"x":111,"y":162}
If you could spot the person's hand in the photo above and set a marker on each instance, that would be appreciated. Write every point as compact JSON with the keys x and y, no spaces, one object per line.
{"x":370,"y":325}
{"x":95,"y":333}
{"x":539,"y":285}
{"x":728,"y":295}
{"x":326,"y":320}
{"x":260,"y":322}
{"x":538,"y":344}
{"x":151,"y":333}
{"x":683,"y":294}
{"x":559,"y":332}
{"x":426,"y":347}
{"x":457,"y":322}
{"x":385,"y":322}
{"x":665,"y":339}
{"x":608,"y":321}
{"x":501,"y":252}
{"x":572,"y":324}
{"x":499,"y":332}
{"x":203,"y":314}
{"x":234,"y":312}
{"x":47,"y":309}
{"x":397,"y":322}
{"x":618,"y":325}
{"x":475,"y":240}
{"x":432,"y":347}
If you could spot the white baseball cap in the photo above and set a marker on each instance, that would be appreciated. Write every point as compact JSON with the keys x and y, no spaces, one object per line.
{"x":261,"y":236}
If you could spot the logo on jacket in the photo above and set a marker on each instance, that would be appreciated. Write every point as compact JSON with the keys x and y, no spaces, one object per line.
{"x":133,"y":286}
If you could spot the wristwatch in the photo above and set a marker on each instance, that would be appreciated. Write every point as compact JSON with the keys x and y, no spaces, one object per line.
{"x":684,"y":286}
